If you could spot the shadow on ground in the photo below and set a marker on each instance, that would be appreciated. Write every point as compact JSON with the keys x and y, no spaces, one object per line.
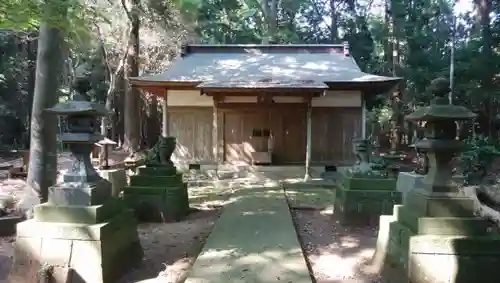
{"x":173,"y":244}
{"x":253,"y":241}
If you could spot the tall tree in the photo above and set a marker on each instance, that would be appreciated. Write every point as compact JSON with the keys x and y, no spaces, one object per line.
{"x":333,"y":24}
{"x":484,"y":10}
{"x":270,"y":12}
{"x":42,"y":169}
{"x":132,"y":135}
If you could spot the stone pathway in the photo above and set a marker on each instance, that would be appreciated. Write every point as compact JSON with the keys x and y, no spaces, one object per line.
{"x":254,"y":241}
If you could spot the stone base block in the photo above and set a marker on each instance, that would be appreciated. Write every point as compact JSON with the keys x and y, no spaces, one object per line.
{"x":77,"y":214}
{"x":427,"y":204}
{"x":158,"y":204}
{"x":408,"y":181}
{"x":78,"y":193}
{"x":454,"y":259}
{"x":381,"y":249}
{"x":372,"y":184}
{"x":157,"y":171}
{"x":117,"y":178}
{"x":435,"y":238}
{"x":424,"y":225}
{"x":155,"y":181}
{"x":364,"y":206}
{"x":75,"y":253}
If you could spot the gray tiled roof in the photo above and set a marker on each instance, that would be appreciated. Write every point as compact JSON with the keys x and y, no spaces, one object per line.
{"x":264,"y":84}
{"x":254,"y":65}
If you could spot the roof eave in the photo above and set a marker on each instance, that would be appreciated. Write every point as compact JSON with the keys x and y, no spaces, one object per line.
{"x":241,"y":90}
{"x":140,"y":82}
{"x":371,"y":87}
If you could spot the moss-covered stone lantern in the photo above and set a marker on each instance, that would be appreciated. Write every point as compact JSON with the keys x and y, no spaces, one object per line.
{"x":439,"y":142}
{"x":82,"y":234}
{"x":434,"y":236}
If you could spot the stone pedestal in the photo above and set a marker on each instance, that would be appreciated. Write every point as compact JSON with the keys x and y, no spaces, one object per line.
{"x":408,"y":181}
{"x":92,"y":238}
{"x":435,"y":238}
{"x":117,"y":178}
{"x":361,"y":200}
{"x":157,"y":194}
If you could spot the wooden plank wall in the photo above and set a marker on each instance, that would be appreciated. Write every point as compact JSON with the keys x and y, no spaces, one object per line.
{"x":286,"y":124}
{"x":237,"y":128}
{"x":333,"y":130}
{"x":192,"y":126}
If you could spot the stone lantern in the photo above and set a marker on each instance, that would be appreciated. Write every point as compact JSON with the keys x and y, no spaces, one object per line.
{"x":439,"y":143}
{"x":435,"y":236}
{"x":82,"y":234}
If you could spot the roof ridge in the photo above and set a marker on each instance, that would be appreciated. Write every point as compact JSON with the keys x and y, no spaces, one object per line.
{"x":264,"y":48}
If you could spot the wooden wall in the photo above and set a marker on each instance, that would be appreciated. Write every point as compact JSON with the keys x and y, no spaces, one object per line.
{"x":192,"y":126}
{"x":287,"y":126}
{"x":333,"y":131}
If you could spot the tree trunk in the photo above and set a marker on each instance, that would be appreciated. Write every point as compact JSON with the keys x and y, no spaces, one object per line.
{"x":132,"y":95}
{"x":42,"y":169}
{"x":119,"y":127}
{"x":153,"y":126}
{"x":333,"y":24}
{"x":32,"y":54}
{"x":270,"y":11}
{"x":484,"y":10}
{"x":273,"y":21}
{"x":113,"y":79}
{"x":387,"y":43}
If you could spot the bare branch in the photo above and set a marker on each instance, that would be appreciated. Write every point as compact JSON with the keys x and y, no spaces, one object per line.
{"x":316,"y":9}
{"x":127,"y":10}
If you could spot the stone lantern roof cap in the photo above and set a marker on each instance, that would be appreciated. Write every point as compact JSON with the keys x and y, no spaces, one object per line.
{"x":106,"y":141}
{"x":436,"y":112}
{"x":73,"y":107}
{"x":440,"y":109}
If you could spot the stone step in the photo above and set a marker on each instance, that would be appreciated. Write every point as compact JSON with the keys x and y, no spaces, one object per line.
{"x":255,"y":241}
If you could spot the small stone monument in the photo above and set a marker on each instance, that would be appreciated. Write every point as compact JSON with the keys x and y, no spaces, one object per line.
{"x":363,"y":194}
{"x":158,"y":193}
{"x":105,"y":143}
{"x":82,"y":234}
{"x":434,"y":236}
{"x":117,"y":176}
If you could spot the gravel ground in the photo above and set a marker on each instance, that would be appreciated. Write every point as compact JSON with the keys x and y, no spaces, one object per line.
{"x":336,"y":254}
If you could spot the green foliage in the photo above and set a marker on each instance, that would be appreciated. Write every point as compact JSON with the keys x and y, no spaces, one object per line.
{"x":478,"y":157}
{"x":75,"y":17}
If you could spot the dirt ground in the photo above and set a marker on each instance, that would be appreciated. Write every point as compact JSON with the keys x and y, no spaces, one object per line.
{"x":336,"y":254}
{"x":165,"y":244}
{"x":175,"y":245}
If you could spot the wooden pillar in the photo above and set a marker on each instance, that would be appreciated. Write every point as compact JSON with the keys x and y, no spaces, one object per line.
{"x":165,"y":131}
{"x":308,"y":142}
{"x":363,"y":117}
{"x":215,"y":139}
